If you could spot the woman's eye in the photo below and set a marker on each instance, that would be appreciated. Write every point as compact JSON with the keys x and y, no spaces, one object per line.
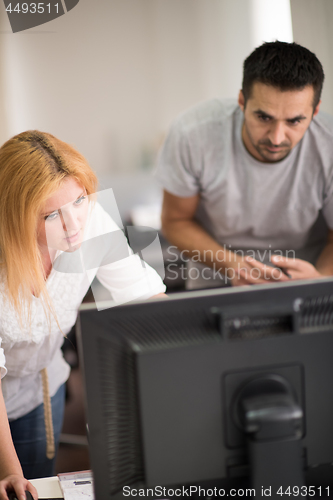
{"x":79,"y":200}
{"x":52,"y":216}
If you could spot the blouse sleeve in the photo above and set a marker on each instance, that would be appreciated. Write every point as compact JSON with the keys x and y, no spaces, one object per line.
{"x":3,"y":369}
{"x":130,"y":279}
{"x":127,"y":278}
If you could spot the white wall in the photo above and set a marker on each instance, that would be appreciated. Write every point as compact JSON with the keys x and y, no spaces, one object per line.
{"x":200,"y":47}
{"x":86,"y":77}
{"x":110,"y":75}
{"x":313,"y":28}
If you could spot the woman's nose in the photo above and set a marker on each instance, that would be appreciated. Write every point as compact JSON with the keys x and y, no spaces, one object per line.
{"x":69,"y":220}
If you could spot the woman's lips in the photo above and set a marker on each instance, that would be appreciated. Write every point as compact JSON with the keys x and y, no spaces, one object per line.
{"x":73,"y":238}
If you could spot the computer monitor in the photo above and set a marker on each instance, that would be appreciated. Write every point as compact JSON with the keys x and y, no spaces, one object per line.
{"x":211,"y":386}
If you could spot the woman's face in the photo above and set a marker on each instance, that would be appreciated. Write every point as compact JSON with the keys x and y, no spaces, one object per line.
{"x":63,"y":218}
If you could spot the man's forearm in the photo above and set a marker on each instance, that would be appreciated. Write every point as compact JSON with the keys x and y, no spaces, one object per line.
{"x":189,"y":236}
{"x":324,"y":264}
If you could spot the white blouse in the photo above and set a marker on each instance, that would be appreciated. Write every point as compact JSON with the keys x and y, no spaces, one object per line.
{"x":24,"y":352}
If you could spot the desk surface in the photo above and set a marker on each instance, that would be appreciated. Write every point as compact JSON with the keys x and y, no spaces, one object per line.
{"x":47,"y":487}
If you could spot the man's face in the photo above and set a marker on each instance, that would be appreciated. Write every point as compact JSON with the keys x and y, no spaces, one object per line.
{"x":275,"y":121}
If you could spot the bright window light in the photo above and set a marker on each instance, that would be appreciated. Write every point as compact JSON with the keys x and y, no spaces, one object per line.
{"x":271,"y":20}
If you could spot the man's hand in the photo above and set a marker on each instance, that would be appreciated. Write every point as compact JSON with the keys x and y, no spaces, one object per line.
{"x":296,"y":268}
{"x":252,"y":272}
{"x":17,"y":483}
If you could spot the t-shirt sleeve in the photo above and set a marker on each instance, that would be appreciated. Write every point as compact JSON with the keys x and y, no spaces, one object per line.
{"x":328,"y":201}
{"x":176,"y":168}
{"x":125,"y":275}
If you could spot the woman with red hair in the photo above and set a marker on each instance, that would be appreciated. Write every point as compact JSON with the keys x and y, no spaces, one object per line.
{"x":47,"y":212}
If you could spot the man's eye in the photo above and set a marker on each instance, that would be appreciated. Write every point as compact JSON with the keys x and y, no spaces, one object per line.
{"x":263,"y":118}
{"x":52,"y":216}
{"x":79,"y":200}
{"x":294,"y":122}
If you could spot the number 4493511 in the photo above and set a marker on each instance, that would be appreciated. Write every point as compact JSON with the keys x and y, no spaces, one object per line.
{"x":304,"y":491}
{"x":33,"y":8}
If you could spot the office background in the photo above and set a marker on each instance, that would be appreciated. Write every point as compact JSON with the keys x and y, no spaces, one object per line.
{"x":110,"y":75}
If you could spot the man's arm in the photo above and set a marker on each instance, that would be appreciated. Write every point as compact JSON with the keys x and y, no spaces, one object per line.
{"x":11,"y":476}
{"x":180,"y":228}
{"x":324,"y":264}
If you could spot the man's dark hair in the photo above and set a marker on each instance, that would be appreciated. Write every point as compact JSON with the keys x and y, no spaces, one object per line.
{"x":287,"y":66}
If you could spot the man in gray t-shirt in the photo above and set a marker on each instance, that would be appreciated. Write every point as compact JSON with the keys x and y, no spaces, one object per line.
{"x":250,"y":185}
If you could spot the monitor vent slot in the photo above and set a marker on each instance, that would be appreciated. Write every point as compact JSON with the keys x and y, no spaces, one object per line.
{"x":156,"y":331}
{"x":252,"y":328}
{"x":120,"y":415}
{"x":316,"y":312}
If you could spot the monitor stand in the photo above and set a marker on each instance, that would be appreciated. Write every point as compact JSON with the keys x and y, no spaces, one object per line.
{"x":272,"y":420}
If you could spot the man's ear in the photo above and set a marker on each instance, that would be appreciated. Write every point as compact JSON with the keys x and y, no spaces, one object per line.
{"x":241,"y":100}
{"x":316,"y":110}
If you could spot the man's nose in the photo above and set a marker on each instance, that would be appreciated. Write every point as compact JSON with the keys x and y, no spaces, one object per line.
{"x":277,"y":133}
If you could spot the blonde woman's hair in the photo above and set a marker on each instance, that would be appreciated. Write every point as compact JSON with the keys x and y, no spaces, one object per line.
{"x":33,"y":165}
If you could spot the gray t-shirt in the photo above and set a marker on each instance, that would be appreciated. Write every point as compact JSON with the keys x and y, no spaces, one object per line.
{"x":281,"y":208}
